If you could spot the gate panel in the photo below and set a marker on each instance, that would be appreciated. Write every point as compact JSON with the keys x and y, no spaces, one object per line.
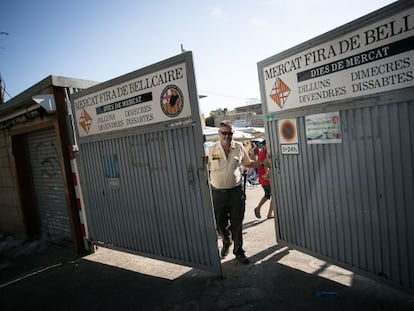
{"x":352,"y":201}
{"x":348,"y":194}
{"x":157,"y":208}
{"x":142,"y":166}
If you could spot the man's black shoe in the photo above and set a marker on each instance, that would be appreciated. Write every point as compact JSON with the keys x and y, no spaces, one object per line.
{"x":242,"y":259}
{"x":225,"y":250}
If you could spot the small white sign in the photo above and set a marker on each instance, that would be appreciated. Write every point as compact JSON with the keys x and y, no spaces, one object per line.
{"x":290,"y":149}
{"x":323,"y":128}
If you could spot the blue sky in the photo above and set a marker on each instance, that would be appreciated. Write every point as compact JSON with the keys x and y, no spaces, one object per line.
{"x":100,"y":40}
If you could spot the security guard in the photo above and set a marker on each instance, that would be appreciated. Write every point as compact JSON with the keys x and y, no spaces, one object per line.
{"x":225,"y":160}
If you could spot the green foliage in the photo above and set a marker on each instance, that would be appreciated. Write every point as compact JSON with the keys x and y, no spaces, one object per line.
{"x":210,"y":120}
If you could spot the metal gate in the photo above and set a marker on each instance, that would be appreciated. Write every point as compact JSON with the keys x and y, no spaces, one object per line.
{"x":48,"y":185}
{"x":341,"y":137}
{"x":352,"y":202}
{"x":145,"y":187}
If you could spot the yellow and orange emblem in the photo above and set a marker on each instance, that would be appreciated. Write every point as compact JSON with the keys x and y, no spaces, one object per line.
{"x":85,"y":121}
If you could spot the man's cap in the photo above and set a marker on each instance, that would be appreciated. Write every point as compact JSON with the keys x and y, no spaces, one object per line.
{"x":227,"y":123}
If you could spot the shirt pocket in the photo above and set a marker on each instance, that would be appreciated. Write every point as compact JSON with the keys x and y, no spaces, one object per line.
{"x":235,"y":162}
{"x":217,"y":164}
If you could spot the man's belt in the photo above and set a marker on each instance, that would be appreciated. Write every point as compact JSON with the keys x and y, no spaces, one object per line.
{"x":227,"y":190}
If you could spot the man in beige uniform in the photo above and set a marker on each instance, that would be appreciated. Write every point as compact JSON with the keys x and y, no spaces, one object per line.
{"x":225,"y":158}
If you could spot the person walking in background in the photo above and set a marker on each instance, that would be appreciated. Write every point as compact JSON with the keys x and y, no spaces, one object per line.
{"x":254,"y":151}
{"x":251,"y":172}
{"x":264,"y":181}
{"x":225,"y":159}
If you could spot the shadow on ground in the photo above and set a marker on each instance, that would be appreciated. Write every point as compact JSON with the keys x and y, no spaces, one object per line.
{"x":55,"y":279}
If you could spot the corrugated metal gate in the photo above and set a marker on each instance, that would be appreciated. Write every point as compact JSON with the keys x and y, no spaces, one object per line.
{"x":48,"y":185}
{"x":341,"y":129}
{"x":146,"y":188}
{"x":353,"y":201}
{"x":156,"y":207}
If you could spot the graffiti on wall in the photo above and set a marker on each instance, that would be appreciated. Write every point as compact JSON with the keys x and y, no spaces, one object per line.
{"x":47,"y":161}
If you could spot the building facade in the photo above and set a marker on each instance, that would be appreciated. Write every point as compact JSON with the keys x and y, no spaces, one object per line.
{"x":243,"y":116}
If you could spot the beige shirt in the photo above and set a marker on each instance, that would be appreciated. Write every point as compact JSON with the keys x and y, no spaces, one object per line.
{"x":225,"y":172}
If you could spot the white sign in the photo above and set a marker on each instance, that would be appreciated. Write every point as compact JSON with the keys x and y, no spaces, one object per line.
{"x":373,"y":59}
{"x":156,"y":97}
{"x":290,"y":149}
{"x":323,"y":128}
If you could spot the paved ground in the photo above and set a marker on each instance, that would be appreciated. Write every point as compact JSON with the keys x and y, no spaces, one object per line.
{"x":42,"y":276}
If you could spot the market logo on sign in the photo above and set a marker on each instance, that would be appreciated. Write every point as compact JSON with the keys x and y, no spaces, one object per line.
{"x":280,"y":92}
{"x":85,"y":121}
{"x":172,"y":101}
